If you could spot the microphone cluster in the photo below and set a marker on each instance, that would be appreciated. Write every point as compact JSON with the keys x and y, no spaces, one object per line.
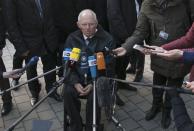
{"x":87,"y":63}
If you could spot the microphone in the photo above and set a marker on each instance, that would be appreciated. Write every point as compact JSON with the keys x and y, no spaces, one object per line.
{"x":110,"y":51}
{"x":32,"y":61}
{"x":73,"y":58}
{"x":66,"y":54}
{"x":101,"y":66}
{"x":66,"y":57}
{"x":92,"y":65}
{"x":100,"y":61}
{"x":84,"y":66}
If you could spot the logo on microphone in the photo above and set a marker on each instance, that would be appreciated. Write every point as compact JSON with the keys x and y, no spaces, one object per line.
{"x":66,"y":53}
{"x":84,"y":59}
{"x":92,"y":62}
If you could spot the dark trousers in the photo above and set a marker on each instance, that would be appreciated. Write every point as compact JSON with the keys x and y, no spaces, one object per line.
{"x":17,"y":62}
{"x":4,"y":84}
{"x":72,"y":108}
{"x":137,"y":60}
{"x":120,"y":68}
{"x":48,"y":64}
{"x":158,"y":93}
{"x":121,"y":65}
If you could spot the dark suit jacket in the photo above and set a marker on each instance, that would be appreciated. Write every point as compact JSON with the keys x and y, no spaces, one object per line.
{"x":27,"y":30}
{"x":122,"y":18}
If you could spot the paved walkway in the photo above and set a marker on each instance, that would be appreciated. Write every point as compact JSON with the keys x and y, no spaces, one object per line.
{"x":131,"y":115}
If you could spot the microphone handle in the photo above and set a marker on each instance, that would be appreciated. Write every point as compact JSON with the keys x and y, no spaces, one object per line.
{"x":85,"y":79}
{"x":184,"y":91}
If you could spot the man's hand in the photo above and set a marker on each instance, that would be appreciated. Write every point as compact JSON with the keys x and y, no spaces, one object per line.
{"x":79,"y":88}
{"x":171,"y":55}
{"x":156,"y":49}
{"x":120,"y":51}
{"x":1,"y":53}
{"x":87,"y":90}
{"x":190,"y":85}
{"x":149,"y":50}
{"x":13,"y":74}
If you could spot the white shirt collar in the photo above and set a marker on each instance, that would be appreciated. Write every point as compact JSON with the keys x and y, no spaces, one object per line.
{"x":85,"y":37}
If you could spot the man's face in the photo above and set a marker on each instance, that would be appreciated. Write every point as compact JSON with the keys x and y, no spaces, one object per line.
{"x":87,"y":25}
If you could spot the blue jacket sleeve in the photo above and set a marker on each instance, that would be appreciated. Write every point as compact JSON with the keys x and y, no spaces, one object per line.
{"x":181,"y":117}
{"x":188,"y":57}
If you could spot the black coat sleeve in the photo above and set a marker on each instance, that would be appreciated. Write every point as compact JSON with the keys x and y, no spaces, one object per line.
{"x":11,"y":18}
{"x":181,"y":117}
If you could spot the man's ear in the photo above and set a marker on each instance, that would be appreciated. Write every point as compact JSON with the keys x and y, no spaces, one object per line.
{"x":78,"y":25}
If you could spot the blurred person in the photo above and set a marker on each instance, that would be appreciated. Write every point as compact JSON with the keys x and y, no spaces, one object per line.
{"x":158,"y":24}
{"x":122,"y":17}
{"x":30,"y":27}
{"x":17,"y":63}
{"x":4,"y":83}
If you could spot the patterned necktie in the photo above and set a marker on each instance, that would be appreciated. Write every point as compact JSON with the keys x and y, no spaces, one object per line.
{"x":88,"y":41}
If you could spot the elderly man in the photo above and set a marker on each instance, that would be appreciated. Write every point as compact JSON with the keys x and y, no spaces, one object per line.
{"x":88,"y":29}
{"x":158,"y":24}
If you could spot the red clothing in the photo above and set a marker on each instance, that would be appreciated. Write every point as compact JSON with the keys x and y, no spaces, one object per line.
{"x":185,"y":43}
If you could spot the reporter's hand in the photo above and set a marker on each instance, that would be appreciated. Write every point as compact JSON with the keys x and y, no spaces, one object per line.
{"x":156,"y":49}
{"x":79,"y":88}
{"x":13,"y":74}
{"x":120,"y":51}
{"x":171,"y":55}
{"x":190,"y":85}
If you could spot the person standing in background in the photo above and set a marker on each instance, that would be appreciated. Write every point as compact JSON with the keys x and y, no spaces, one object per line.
{"x":158,"y":24}
{"x":4,"y":83}
{"x":122,"y":18}
{"x":31,"y":29}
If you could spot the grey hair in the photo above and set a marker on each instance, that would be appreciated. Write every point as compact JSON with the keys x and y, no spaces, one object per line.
{"x":88,"y":11}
